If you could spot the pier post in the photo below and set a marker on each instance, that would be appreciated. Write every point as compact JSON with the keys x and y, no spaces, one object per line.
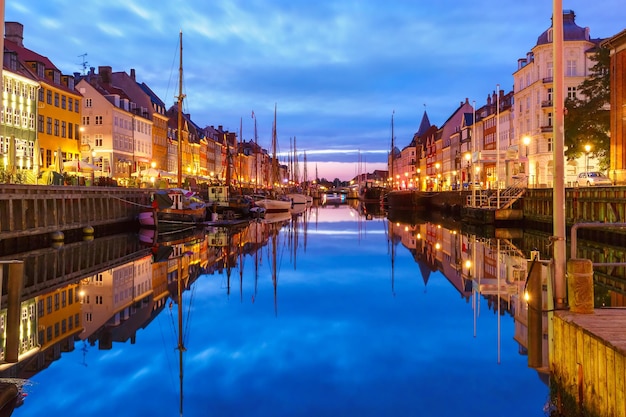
{"x":14,"y":296}
{"x":580,"y":285}
{"x":534,"y":288}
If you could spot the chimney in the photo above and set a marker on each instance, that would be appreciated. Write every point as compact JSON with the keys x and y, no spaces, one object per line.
{"x":132,"y":74}
{"x":14,"y":31}
{"x":105,"y":74}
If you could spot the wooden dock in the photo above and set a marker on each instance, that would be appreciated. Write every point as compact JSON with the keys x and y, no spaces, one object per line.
{"x":589,"y":361}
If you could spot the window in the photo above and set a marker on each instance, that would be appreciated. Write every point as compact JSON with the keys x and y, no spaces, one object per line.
{"x":63,"y":299}
{"x":98,"y":299}
{"x":571,"y":93}
{"x":56,"y":99}
{"x":41,"y":94}
{"x":88,"y":317}
{"x":56,"y":301}
{"x":570,"y":70}
{"x":56,"y":127}
{"x":76,"y":106}
{"x":49,"y":125}
{"x":98,"y":139}
{"x":48,"y":96}
{"x":63,"y":326}
{"x":63,"y":129}
{"x":86,"y":120}
{"x":49,"y":334}
{"x":87,"y":102}
{"x":549,"y":70}
{"x":56,"y":329}
{"x":49,"y":304}
{"x":70,"y":296}
{"x":63,"y":102}
{"x":70,"y":103}
{"x":98,"y":120}
{"x":70,"y":131}
{"x":76,"y":132}
{"x":40,"y":312}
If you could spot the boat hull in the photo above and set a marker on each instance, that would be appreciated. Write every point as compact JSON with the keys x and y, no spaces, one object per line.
{"x":167,"y":219}
{"x":274,"y":206}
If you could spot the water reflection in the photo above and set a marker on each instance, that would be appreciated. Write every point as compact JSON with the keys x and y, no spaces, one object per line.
{"x":333,"y":310}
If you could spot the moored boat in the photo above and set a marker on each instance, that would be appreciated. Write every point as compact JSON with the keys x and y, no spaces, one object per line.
{"x":173,"y":208}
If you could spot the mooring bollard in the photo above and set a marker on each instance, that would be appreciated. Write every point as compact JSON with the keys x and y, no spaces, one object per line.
{"x":580,"y":286}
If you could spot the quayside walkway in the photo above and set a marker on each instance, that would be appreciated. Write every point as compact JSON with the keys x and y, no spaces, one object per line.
{"x":28,"y":210}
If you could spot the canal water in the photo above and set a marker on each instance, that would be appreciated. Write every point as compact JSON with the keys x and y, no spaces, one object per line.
{"x":333,"y":312}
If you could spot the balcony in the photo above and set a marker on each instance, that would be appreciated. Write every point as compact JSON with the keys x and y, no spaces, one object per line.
{"x":546,"y":129}
{"x":546,"y":103}
{"x":547,"y":80}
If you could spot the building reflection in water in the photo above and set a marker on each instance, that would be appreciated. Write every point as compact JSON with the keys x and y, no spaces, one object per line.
{"x":104,"y":290}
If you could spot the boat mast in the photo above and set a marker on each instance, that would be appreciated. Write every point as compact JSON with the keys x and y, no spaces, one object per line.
{"x":391,"y":155}
{"x":181,"y":345}
{"x":274,"y":156}
{"x":180,"y":114}
{"x":239,"y":148}
{"x":256,"y":155}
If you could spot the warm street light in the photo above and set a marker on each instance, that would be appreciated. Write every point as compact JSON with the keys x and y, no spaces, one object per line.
{"x":526,"y":141}
{"x":587,"y":150}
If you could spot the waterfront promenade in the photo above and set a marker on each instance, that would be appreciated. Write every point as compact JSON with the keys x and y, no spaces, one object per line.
{"x":30,"y":210}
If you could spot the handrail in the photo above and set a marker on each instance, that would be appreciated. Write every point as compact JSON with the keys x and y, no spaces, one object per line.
{"x":594,"y":225}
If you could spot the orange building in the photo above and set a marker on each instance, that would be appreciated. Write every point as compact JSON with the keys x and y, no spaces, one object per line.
{"x":58,"y":116}
{"x":617,"y":71}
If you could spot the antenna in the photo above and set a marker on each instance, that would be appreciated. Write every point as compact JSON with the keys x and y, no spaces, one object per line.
{"x":84,"y":63}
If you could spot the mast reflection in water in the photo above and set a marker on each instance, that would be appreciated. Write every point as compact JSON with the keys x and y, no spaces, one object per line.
{"x":375,"y":318}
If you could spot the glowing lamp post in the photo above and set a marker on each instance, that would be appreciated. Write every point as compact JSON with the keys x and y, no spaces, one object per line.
{"x":587,"y":150}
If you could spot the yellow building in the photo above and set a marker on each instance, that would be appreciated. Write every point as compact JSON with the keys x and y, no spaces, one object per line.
{"x":59,"y":104}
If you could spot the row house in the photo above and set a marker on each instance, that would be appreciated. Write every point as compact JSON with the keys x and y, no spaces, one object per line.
{"x":55,"y":118}
{"x":148,"y":106}
{"x":533,"y":85}
{"x":118,"y":136}
{"x":509,"y":138}
{"x":617,"y":49}
{"x":17,"y":121}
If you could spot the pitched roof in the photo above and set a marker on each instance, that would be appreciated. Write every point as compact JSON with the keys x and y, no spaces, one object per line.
{"x":424,"y":125}
{"x":26,"y":56}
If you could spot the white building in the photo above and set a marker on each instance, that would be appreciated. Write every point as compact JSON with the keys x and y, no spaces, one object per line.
{"x":533,"y":88}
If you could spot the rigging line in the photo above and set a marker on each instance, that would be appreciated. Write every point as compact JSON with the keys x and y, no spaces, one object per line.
{"x":174,"y":67}
{"x":128,"y":201}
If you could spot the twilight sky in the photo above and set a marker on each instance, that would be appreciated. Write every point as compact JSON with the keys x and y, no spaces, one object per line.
{"x":336,"y":70}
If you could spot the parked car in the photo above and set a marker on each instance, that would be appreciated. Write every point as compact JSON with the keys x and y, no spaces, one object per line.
{"x":588,"y":179}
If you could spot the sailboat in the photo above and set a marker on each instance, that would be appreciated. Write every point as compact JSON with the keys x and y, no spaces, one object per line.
{"x":277,"y":202}
{"x":296,"y":195}
{"x":175,"y":207}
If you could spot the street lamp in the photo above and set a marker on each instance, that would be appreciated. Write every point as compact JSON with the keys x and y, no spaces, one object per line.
{"x":526,"y":141}
{"x":419,"y":180}
{"x":587,"y":150}
{"x":468,"y":158}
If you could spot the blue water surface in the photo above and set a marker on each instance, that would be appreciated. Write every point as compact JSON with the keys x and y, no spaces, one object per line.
{"x":343,"y":331}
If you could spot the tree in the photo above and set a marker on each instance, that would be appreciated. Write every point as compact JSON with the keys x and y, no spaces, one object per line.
{"x":587,"y":116}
